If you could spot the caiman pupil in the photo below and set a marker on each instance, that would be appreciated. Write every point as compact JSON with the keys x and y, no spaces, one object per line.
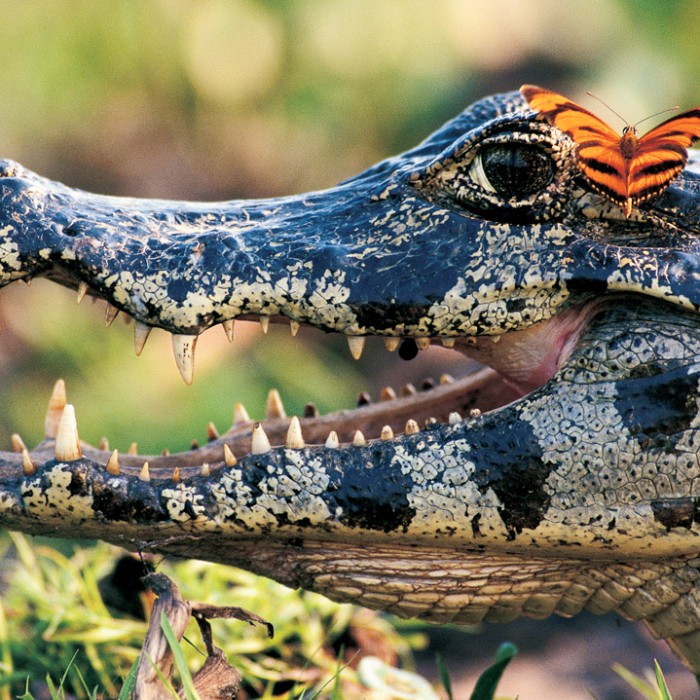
{"x":516,"y":170}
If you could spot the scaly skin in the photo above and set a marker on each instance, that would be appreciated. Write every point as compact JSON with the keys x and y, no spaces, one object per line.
{"x":582,"y":493}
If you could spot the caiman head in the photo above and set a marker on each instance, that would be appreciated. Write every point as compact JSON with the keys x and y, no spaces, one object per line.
{"x":486,"y":239}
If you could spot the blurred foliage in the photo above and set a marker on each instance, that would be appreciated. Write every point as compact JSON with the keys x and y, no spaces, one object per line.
{"x":53,"y":622}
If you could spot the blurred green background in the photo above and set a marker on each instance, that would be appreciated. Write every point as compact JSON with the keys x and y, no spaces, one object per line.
{"x":216,"y":99}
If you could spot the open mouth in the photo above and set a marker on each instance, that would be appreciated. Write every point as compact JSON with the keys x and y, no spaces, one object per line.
{"x":510,"y":366}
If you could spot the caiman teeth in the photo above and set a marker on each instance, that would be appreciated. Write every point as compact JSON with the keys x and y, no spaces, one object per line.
{"x":240,"y":415}
{"x":332,"y":441}
{"x":295,"y":439}
{"x":274,"y":408}
{"x":392,"y":343}
{"x":228,"y":329}
{"x":141,"y":333}
{"x":387,"y":433}
{"x":183,"y":349}
{"x":229,"y":458}
{"x":57,"y":402}
{"x":110,"y":314}
{"x":259,"y":444}
{"x":356,"y":343}
{"x":145,"y":473}
{"x":133,"y":449}
{"x":82,"y":291}
{"x":103,"y":444}
{"x":422,"y":343}
{"x":358,"y":439}
{"x":448,"y":342}
{"x":455,"y":418}
{"x":294,"y":327}
{"x":67,"y":442}
{"x":113,"y":467}
{"x":265,"y":324}
{"x":408,"y":390}
{"x":204,"y":470}
{"x":28,"y":467}
{"x":17,"y":443}
{"x":212,"y":432}
{"x":411,"y":427}
{"x":387,"y":394}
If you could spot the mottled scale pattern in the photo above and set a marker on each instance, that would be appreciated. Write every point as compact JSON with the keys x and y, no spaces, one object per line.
{"x":580,"y":495}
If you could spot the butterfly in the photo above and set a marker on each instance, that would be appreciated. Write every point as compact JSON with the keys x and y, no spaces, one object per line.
{"x":628,"y":168}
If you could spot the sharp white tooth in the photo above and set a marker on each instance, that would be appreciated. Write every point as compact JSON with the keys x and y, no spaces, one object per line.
{"x":204,"y":469}
{"x":57,"y":403}
{"x":274,"y":408}
{"x":446,"y":379}
{"x":356,"y":343}
{"x":240,"y":415}
{"x":212,"y":432}
{"x":408,"y":390}
{"x":17,"y":443}
{"x":104,"y":445}
{"x":82,"y":291}
{"x":259,"y":444}
{"x":183,"y":349}
{"x":455,"y":418}
{"x":474,"y":413}
{"x":110,"y":314}
{"x":332,"y":440}
{"x":228,"y":329}
{"x":392,"y":343}
{"x":67,"y":440}
{"x":265,"y":323}
{"x":145,"y":473}
{"x":295,"y":440}
{"x":387,"y":433}
{"x":422,"y":343}
{"x":411,"y":427}
{"x":175,"y":476}
{"x":448,"y":342}
{"x":229,"y":458}
{"x":387,"y":394}
{"x":133,"y":449}
{"x":294,"y":327}
{"x":165,"y":452}
{"x":495,"y":339}
{"x":113,"y":467}
{"x":28,"y":467}
{"x":358,"y":439}
{"x":141,"y":333}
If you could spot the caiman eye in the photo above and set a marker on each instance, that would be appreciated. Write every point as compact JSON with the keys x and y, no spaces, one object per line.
{"x":512,"y":169}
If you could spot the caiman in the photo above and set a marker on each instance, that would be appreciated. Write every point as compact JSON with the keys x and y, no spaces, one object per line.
{"x":565,"y":475}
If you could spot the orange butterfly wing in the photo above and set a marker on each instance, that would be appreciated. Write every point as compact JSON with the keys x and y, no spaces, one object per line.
{"x":598,"y":146}
{"x":648,"y":164}
{"x":661,"y":154}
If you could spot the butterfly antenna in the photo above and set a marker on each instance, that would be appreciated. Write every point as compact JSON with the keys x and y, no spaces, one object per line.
{"x":663,"y":111}
{"x":605,"y":104}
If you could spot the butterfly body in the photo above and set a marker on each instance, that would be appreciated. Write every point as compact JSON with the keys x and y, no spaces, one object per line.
{"x":627,"y":169}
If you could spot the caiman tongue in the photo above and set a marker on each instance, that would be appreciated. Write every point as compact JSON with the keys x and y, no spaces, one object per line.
{"x":528,"y":358}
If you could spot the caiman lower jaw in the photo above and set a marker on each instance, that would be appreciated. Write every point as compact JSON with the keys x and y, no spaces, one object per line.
{"x":526,"y":360}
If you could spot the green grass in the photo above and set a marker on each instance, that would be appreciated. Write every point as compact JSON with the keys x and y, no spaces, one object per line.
{"x":56,"y":633}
